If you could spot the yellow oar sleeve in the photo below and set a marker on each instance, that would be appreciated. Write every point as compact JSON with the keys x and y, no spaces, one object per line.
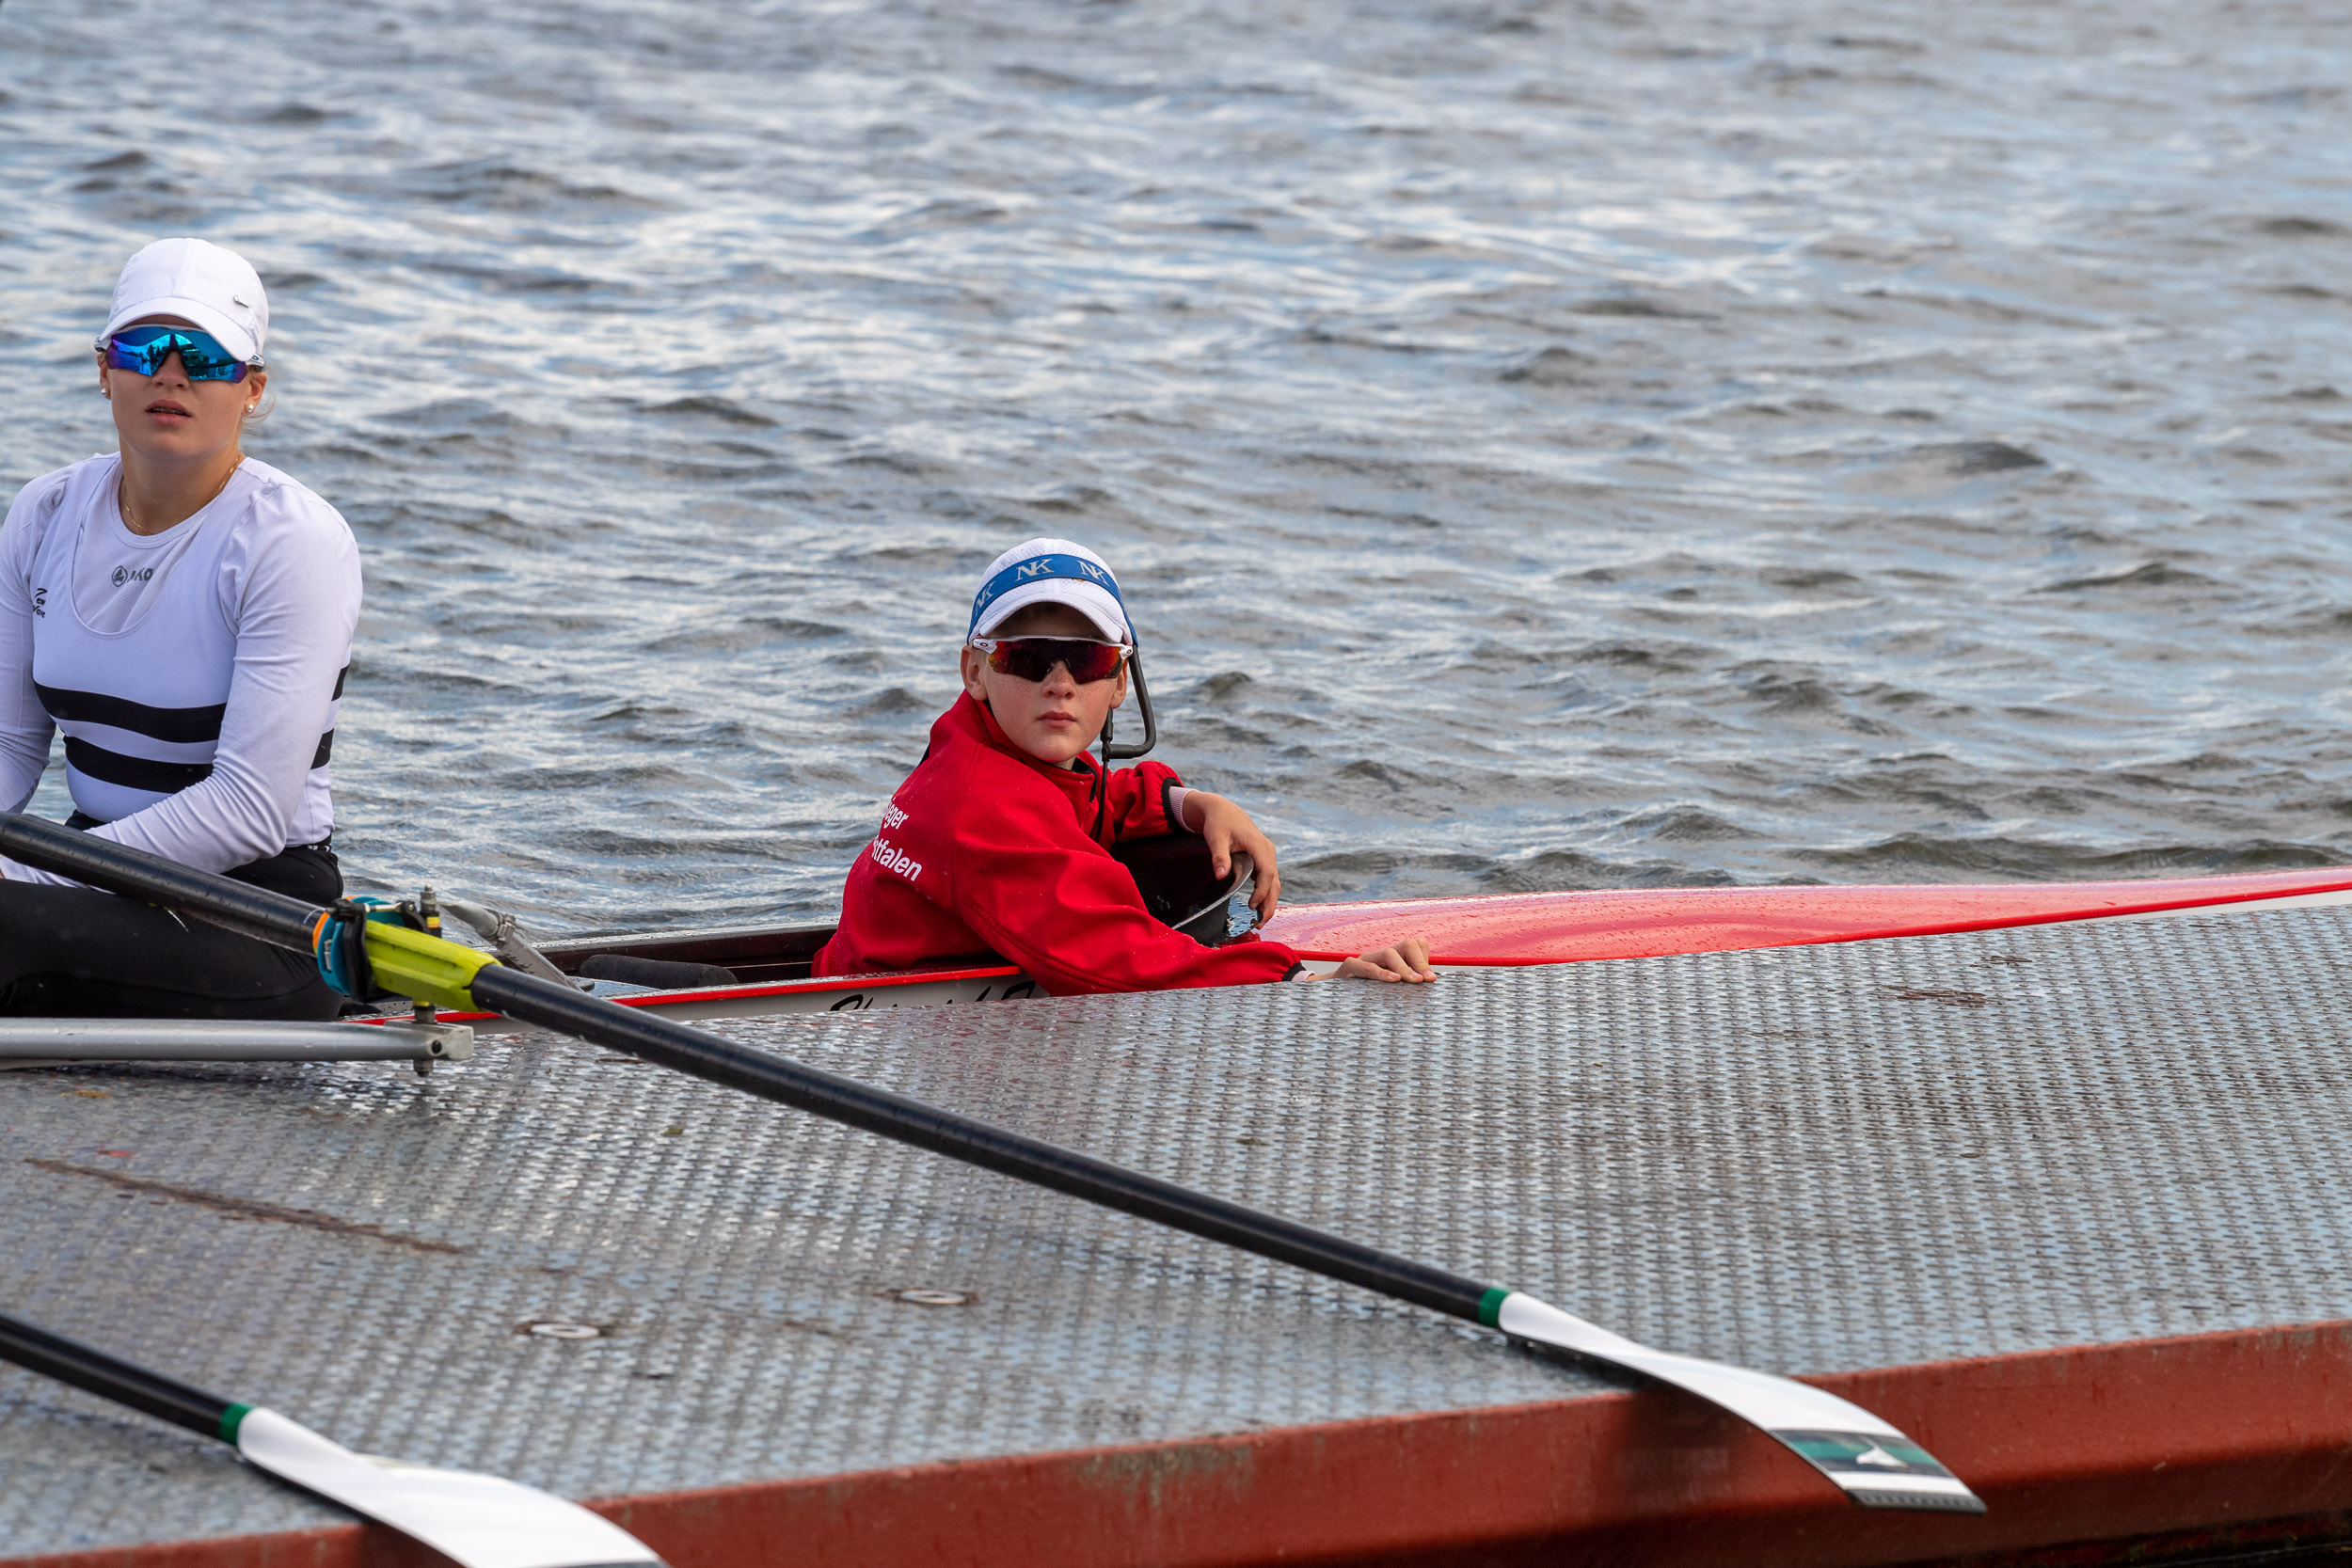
{"x":425,"y":968}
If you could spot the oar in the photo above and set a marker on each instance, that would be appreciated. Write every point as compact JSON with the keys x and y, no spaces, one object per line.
{"x":1874,"y":1463}
{"x":479,"y":1521}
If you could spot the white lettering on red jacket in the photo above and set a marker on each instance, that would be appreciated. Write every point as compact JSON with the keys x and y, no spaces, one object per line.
{"x":896,"y":860}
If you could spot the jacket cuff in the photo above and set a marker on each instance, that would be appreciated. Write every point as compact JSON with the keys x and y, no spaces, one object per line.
{"x":1172,"y":805}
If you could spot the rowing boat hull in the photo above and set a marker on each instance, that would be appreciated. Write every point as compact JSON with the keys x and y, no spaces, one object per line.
{"x":1496,"y":929}
{"x":1000,"y":983}
{"x":1647,"y":923}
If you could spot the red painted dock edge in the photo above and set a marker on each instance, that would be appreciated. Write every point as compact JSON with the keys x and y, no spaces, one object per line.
{"x":2083,"y":1455}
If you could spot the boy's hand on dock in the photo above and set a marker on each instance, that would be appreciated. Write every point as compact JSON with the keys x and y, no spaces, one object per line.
{"x":1224,"y":827}
{"x":1408,"y":962}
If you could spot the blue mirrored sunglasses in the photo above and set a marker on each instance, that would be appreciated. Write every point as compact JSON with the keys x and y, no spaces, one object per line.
{"x":144,"y":348}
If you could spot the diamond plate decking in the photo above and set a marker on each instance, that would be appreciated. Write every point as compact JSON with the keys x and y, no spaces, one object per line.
{"x":1803,"y":1160}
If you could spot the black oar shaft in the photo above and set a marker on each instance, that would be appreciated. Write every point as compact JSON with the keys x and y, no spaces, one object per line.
{"x":909,"y":1121}
{"x":289,"y":923}
{"x":94,"y":1371}
{"x":247,"y":911}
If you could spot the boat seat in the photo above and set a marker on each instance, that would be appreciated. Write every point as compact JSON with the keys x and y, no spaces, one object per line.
{"x":660,"y":973}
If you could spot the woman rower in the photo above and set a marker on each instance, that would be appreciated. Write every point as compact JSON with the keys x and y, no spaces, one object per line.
{"x":184,"y":614}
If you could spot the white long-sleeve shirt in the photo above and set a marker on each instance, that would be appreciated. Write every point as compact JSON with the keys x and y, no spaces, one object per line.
{"x":195,"y":672}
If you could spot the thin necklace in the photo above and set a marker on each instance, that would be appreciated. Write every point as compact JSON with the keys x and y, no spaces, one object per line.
{"x":123,"y":500}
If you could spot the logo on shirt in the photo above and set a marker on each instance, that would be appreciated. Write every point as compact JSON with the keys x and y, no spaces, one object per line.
{"x":125,"y":574}
{"x":40,"y":603}
{"x":891,"y":858}
{"x":892,"y":816}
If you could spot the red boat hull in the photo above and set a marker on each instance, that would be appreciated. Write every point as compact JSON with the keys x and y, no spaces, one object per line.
{"x":1642,"y":923}
{"x":1493,"y":929}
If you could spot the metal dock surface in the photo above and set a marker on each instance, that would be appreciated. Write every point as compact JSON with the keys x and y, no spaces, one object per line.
{"x":1816,"y":1160}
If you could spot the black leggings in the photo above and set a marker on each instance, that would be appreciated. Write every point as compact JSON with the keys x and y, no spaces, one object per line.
{"x":74,"y":952}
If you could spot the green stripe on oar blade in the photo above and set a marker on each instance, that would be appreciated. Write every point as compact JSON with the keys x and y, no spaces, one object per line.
{"x":479,"y":1521}
{"x":1872,"y":1462}
{"x":1774,"y":1403}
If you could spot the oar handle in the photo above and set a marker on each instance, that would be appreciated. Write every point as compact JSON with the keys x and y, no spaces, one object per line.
{"x":410,"y":962}
{"x":241,"y":908}
{"x":111,"y":1377}
{"x":975,"y":1142}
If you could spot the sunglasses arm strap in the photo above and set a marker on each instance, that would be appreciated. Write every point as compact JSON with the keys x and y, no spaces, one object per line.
{"x":1150,"y":721}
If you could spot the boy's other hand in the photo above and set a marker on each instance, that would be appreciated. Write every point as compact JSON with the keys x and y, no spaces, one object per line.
{"x":1408,"y":961}
{"x":1224,"y":827}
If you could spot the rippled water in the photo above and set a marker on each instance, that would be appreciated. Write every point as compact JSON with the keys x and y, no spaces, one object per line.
{"x":1547,"y":444}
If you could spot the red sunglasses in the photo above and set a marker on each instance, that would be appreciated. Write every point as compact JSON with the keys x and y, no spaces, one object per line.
{"x":1032,"y":658}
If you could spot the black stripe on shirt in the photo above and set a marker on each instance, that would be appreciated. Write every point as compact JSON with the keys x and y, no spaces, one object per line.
{"x":156,"y":778}
{"x":181,"y":726}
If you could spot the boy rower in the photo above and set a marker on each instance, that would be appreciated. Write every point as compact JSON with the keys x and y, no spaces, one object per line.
{"x":999,"y":842}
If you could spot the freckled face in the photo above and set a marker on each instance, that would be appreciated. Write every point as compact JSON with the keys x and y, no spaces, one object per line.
{"x":1057,"y":718}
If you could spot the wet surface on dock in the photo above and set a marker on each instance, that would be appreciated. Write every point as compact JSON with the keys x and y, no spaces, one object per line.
{"x":1804,"y":1160}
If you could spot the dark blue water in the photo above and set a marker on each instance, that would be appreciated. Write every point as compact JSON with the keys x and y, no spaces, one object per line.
{"x":1546,"y":445}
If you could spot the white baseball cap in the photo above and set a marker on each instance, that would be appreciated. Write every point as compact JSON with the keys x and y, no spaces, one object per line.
{"x":214,"y":290}
{"x":1050,"y":571}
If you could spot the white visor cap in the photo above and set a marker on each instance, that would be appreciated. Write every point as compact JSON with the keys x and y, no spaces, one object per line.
{"x":1050,"y":571}
{"x":213,"y":290}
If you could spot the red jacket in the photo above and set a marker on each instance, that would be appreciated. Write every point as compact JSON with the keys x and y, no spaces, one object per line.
{"x":985,"y":851}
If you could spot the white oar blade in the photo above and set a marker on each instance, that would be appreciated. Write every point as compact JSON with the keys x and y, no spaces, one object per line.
{"x":479,"y":1521}
{"x":1872,"y":1462}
